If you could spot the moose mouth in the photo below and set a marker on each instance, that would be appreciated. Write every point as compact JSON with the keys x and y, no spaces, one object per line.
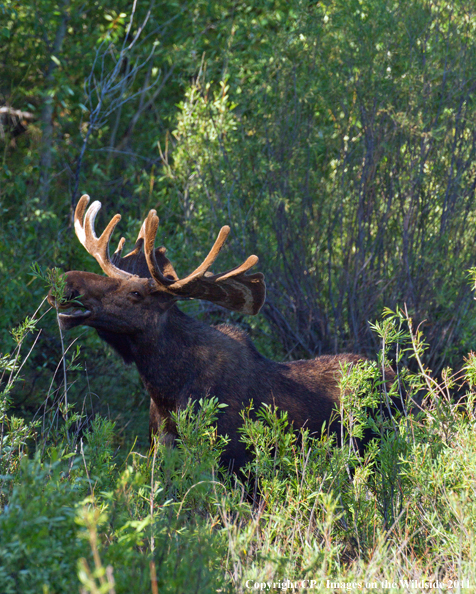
{"x":73,"y":317}
{"x":72,"y":311}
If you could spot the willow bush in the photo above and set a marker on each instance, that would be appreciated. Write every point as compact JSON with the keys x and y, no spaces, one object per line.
{"x":348,"y":165}
{"x":76,"y":516}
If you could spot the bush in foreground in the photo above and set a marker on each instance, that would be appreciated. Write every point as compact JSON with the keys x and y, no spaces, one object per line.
{"x":77,"y":516}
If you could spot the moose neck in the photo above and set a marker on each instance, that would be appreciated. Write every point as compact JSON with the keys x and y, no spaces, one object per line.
{"x":173,"y":352}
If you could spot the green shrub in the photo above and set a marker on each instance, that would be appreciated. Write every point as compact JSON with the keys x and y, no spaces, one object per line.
{"x":38,"y":534}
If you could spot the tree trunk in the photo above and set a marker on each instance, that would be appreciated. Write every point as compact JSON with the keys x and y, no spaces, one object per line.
{"x":46,"y":155}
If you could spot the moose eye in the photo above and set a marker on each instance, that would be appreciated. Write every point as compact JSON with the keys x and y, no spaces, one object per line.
{"x":135,"y":294}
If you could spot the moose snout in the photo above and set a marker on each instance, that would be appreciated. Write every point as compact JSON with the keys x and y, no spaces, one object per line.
{"x":69,"y":295}
{"x":51,"y":299}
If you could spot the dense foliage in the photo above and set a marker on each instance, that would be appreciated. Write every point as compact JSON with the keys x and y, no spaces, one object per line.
{"x":307,"y":512}
{"x":338,"y":140}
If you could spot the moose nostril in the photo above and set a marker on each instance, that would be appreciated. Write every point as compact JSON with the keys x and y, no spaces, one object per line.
{"x":71,"y":294}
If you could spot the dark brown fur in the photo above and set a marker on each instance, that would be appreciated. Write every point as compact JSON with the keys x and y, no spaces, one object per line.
{"x":180,"y":358}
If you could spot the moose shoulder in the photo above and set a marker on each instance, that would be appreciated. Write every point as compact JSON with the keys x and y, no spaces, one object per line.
{"x":134,"y":309}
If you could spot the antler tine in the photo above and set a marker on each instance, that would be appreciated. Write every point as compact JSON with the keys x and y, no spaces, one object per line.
{"x":233,"y":289}
{"x":97,"y":247}
{"x":138,"y":245}
{"x":148,"y":233}
{"x":116,"y":256}
{"x":139,"y":241}
{"x":79,"y":217}
{"x":247,"y":264}
{"x":142,"y":229}
{"x":120,"y":247}
{"x":205,"y":265}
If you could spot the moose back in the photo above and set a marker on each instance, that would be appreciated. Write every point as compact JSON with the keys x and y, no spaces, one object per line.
{"x":134,"y":309}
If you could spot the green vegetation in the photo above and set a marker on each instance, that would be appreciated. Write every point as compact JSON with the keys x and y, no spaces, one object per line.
{"x":338,"y":140}
{"x":77,"y":516}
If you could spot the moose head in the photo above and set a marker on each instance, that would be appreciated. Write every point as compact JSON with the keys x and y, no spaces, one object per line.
{"x":143,"y":284}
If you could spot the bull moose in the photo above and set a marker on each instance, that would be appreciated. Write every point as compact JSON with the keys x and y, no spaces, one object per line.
{"x":134,"y":309}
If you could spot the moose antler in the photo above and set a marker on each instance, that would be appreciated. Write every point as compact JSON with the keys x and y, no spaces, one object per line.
{"x":233,"y":289}
{"x":98,"y":247}
{"x":136,"y":263}
{"x":115,"y":266}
